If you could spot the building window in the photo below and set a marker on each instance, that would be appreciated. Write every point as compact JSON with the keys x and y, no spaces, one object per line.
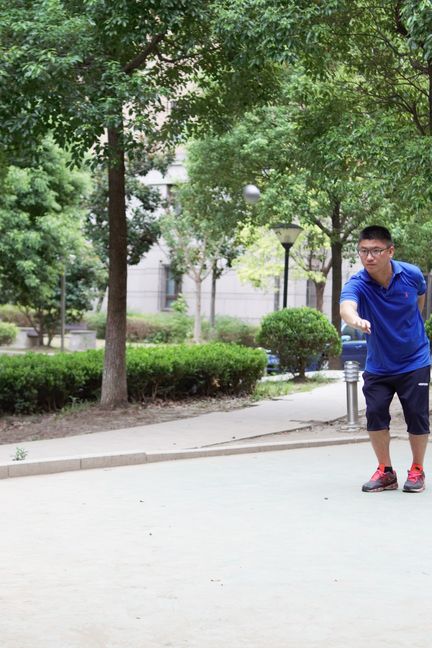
{"x":172,"y":286}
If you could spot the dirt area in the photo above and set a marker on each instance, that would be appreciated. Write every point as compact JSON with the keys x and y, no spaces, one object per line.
{"x":84,"y":419}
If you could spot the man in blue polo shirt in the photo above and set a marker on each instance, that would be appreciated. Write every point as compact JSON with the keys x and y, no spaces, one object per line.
{"x":385,"y":300}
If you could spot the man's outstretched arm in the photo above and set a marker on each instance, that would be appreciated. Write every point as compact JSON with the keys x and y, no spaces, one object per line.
{"x":348,"y":312}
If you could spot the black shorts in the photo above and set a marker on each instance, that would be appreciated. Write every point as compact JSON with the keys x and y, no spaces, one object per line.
{"x":412,"y":389}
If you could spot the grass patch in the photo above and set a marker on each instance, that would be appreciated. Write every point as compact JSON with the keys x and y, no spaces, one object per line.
{"x":273,"y":389}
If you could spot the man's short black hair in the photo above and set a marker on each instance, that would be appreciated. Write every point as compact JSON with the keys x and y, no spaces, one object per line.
{"x":375,"y":232}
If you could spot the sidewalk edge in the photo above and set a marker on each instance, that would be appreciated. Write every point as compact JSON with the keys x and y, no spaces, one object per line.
{"x":67,"y":464}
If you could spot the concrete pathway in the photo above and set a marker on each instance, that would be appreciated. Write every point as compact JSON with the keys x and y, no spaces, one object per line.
{"x":298,"y":414}
{"x":275,"y":550}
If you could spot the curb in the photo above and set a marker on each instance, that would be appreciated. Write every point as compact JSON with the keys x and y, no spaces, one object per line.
{"x":67,"y":464}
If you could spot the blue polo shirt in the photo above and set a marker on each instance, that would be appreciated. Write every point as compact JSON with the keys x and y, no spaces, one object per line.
{"x":398,"y":341}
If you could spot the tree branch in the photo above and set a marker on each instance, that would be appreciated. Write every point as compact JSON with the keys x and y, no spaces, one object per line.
{"x":400,"y":27}
{"x":416,"y":119}
{"x":149,"y":49}
{"x":178,"y":59}
{"x":321,"y":225}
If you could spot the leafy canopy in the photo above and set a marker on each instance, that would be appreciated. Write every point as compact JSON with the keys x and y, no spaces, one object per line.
{"x":41,"y":212}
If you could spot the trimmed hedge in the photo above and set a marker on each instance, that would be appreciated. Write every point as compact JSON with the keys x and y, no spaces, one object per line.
{"x":34,"y":382}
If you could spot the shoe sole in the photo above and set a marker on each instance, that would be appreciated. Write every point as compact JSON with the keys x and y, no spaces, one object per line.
{"x":414,"y":490}
{"x":380,"y":490}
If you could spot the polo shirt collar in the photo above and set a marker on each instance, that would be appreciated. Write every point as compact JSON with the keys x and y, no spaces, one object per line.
{"x":396,"y":267}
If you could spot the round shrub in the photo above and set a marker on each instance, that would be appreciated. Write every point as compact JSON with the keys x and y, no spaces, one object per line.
{"x":298,"y":336}
{"x":8,"y":333}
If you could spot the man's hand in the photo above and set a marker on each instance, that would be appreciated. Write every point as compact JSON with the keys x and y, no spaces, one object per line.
{"x":350,"y":316}
{"x":363,"y":325}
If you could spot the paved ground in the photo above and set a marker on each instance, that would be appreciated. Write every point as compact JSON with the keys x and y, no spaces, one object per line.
{"x":274,"y":550}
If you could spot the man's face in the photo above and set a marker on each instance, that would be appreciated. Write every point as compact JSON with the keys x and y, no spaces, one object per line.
{"x":375,"y":255}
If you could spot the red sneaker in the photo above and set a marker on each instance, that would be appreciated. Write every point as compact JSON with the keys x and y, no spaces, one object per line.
{"x":381,"y":481}
{"x":415,"y":482}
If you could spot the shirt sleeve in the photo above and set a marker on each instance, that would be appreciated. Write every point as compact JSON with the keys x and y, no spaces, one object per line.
{"x":421,"y":283}
{"x":350,"y":291}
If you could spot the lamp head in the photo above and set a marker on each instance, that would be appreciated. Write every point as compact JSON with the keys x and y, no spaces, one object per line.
{"x":287,"y":233}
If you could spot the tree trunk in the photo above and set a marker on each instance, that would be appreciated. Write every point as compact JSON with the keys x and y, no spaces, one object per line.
{"x":40,"y":328}
{"x":197,"y":323}
{"x":430,"y":98}
{"x":100,"y":299}
{"x":213,"y":295}
{"x":336,"y":253}
{"x":319,"y":295}
{"x":336,"y":283}
{"x":114,"y":383}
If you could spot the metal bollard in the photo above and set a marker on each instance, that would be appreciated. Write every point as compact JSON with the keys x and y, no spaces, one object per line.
{"x":351,"y":374}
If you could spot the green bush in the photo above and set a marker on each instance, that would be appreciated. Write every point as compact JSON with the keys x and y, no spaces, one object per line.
{"x":232,"y":329}
{"x":8,"y":333}
{"x":177,"y":371}
{"x":12,"y":314}
{"x":35,"y":382}
{"x":298,"y":336}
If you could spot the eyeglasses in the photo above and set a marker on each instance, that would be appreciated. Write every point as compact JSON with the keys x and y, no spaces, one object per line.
{"x":374,"y":252}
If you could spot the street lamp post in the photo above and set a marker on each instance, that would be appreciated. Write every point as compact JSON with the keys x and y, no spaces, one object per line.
{"x":287,"y":234}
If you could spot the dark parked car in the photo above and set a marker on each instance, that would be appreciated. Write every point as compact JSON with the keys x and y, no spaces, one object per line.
{"x":354,"y":345}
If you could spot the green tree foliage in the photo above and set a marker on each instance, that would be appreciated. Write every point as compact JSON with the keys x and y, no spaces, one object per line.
{"x":87,"y":69}
{"x":385,"y":49}
{"x":297,"y":336}
{"x":312,"y":152}
{"x":40,"y":238}
{"x":262,"y":260}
